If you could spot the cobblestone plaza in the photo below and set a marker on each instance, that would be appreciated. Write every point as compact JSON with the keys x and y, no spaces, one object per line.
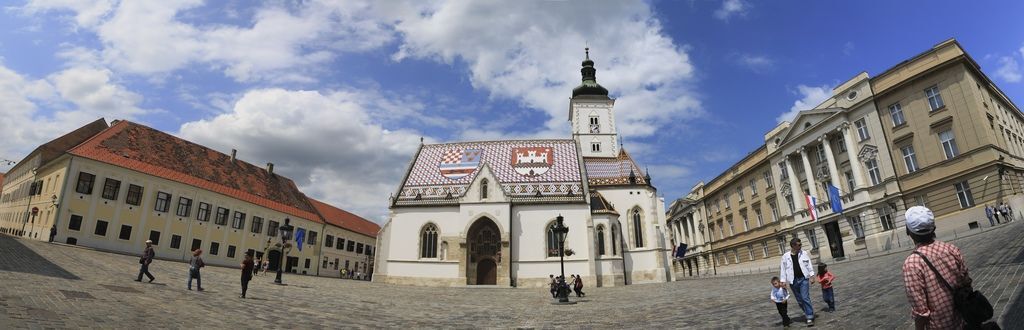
{"x":56,"y":286}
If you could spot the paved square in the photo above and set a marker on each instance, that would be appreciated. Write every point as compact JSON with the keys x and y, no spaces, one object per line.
{"x":54,"y":286}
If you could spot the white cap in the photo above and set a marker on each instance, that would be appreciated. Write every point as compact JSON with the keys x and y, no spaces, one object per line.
{"x":149,"y":241}
{"x":920,"y":220}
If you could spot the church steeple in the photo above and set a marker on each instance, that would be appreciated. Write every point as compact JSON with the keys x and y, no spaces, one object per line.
{"x":589,"y":87}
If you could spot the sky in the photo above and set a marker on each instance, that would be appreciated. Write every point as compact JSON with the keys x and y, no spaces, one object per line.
{"x":338,"y":94}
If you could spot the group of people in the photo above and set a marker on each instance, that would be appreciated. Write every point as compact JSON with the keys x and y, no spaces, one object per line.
{"x":796,"y":275}
{"x":994,"y":213}
{"x":559,"y":282}
{"x":248,"y":266}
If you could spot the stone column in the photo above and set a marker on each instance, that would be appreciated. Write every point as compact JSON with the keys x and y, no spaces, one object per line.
{"x":832,"y":169}
{"x":794,"y":185}
{"x":811,"y":184}
{"x":851,"y":147}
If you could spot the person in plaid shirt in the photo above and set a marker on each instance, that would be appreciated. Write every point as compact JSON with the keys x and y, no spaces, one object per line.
{"x":930,"y":302}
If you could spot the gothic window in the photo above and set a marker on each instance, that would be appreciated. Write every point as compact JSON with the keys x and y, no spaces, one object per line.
{"x":595,"y":127}
{"x":638,"y":231}
{"x":600,"y":240}
{"x":428,"y":241}
{"x":615,"y":239}
{"x":552,"y":240}
{"x":483,"y":189}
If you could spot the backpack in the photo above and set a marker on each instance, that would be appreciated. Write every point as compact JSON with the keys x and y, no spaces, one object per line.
{"x":971,"y":304}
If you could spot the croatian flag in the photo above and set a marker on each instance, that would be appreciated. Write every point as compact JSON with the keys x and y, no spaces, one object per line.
{"x":811,"y":209}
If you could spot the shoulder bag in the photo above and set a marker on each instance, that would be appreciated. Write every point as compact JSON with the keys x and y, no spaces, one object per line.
{"x":972,"y":305}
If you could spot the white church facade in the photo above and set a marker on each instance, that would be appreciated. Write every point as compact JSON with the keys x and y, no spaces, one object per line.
{"x":482,"y":213}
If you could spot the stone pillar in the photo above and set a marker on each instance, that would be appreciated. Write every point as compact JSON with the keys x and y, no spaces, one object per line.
{"x":811,"y":184}
{"x":832,"y":169}
{"x":851,"y":147}
{"x":794,"y":184}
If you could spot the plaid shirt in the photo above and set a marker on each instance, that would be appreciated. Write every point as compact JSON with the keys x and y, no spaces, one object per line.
{"x":930,"y":301}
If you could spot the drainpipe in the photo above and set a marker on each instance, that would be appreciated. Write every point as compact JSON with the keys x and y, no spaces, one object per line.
{"x":511,"y":275}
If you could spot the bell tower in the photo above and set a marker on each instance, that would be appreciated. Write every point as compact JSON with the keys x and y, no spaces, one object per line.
{"x":592,"y":115}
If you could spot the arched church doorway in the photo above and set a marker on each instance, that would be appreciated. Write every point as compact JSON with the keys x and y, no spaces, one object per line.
{"x":484,"y":243}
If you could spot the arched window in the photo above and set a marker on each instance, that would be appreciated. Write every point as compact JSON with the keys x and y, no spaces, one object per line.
{"x":600,"y":240}
{"x":638,"y":230}
{"x":552,"y":240}
{"x":615,"y":239}
{"x":428,"y":241}
{"x":483,"y":189}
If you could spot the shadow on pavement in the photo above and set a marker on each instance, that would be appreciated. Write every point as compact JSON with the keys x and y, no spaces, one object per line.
{"x":16,"y":257}
{"x":1014,"y":317}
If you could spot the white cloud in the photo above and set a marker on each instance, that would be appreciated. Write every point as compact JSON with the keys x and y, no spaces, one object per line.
{"x":810,"y":97}
{"x":530,"y":52}
{"x":329,"y":143}
{"x":732,"y":8}
{"x":1008,"y":69}
{"x":849,"y":47}
{"x":87,"y":12}
{"x":756,"y":63}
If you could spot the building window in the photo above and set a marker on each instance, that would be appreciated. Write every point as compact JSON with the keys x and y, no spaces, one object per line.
{"x":876,"y":176}
{"x":764,"y":248}
{"x":768,"y":181}
{"x":359,"y":248}
{"x":75,"y":223}
{"x":595,"y":146}
{"x":909,"y":158}
{"x":732,"y":229}
{"x":775,"y":211}
{"x":184,"y":207}
{"x":841,"y":143}
{"x":101,"y":228}
{"x":711,"y":230}
{"x":214,"y":248}
{"x":222,"y":216}
{"x":750,"y":251}
{"x":739,"y":194}
{"x":850,"y":182}
{"x":595,"y":126}
{"x":600,"y":240}
{"x":885,"y":217}
{"x":948,"y":143}
{"x":862,"y":129}
{"x":783,"y":173}
{"x":963,"y":193}
{"x":272,"y":228}
{"x":257,"y":225}
{"x":782,"y":244}
{"x":163,"y":202}
{"x":329,"y":241}
{"x":154,"y":236}
{"x":638,"y":229}
{"x":821,"y":154}
{"x":238,"y":222}
{"x":855,"y":224}
{"x":134,"y":196}
{"x":753,"y":187}
{"x":111,"y":188}
{"x":196,"y":244}
{"x":340,"y":245}
{"x":175,"y":241}
{"x":126,"y":232}
{"x":736,"y":255}
{"x":483,"y":189}
{"x":231,"y":251}
{"x":552,"y":240}
{"x":725,"y":200}
{"x":312,"y":237}
{"x":352,"y":246}
{"x":203,"y":214}
{"x":428,"y":241}
{"x":615,"y":239}
{"x":934,"y":99}
{"x":746,"y":222}
{"x":789,"y":202}
{"x":85,"y":181}
{"x":811,"y":238}
{"x":896,"y":112}
{"x":760,"y":218}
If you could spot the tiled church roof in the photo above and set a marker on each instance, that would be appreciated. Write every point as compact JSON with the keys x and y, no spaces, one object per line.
{"x":613,"y":171}
{"x":140,"y":148}
{"x":527,"y":170}
{"x":344,"y":219}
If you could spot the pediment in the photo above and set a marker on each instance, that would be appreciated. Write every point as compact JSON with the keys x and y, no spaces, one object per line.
{"x":495,"y":193}
{"x":807,"y":119}
{"x":868,"y":152}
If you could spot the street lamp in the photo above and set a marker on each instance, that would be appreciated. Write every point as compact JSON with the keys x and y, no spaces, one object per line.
{"x":286,"y":234}
{"x":560,"y":231}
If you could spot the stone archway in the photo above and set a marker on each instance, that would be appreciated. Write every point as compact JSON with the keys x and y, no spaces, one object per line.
{"x":484,"y":245}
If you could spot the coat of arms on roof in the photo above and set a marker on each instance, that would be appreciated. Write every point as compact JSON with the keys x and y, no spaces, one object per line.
{"x":458,"y":163}
{"x":532,"y":161}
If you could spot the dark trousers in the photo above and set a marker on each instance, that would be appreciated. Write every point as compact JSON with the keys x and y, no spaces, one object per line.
{"x":784,"y":312}
{"x":245,"y":285}
{"x":145,"y":271}
{"x":829,"y":297}
{"x":199,"y":280}
{"x":997,"y":218}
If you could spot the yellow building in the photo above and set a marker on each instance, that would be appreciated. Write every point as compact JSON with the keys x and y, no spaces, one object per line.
{"x":112,"y":188}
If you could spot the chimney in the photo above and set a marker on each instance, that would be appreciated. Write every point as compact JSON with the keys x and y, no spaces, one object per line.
{"x":233,"y":154}
{"x":270,"y":168}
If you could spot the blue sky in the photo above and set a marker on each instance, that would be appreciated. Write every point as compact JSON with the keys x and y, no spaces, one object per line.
{"x":338,"y":93}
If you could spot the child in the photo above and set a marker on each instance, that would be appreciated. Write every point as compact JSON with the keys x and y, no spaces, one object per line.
{"x":825,"y":277}
{"x":780,"y":296}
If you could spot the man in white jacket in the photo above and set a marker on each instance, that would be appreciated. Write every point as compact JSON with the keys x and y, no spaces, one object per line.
{"x":797,"y":277}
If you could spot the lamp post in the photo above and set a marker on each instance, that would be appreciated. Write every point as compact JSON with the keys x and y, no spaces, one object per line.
{"x":286,"y":233}
{"x":561,"y":230}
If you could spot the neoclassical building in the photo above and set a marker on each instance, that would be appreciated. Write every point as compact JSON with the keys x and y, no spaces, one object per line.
{"x":482,"y":213}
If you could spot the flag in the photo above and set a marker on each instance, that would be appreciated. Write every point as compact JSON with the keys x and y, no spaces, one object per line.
{"x":835,"y":199}
{"x":811,"y":210}
{"x":300,"y":234}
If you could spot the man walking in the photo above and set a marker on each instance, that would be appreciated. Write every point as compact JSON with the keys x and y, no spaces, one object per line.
{"x":795,"y":271}
{"x":930,"y":302}
{"x":145,"y":260}
{"x":988,"y":214}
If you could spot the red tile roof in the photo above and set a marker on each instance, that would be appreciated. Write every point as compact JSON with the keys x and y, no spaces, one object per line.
{"x":341,"y":218}
{"x":144,"y":149}
{"x":606,"y":171}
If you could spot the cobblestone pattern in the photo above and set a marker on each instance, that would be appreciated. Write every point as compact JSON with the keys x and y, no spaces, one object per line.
{"x":54,"y":286}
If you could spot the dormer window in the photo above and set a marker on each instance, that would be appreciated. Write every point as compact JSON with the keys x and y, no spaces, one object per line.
{"x":483,"y":189}
{"x":595,"y":127}
{"x":595,"y":146}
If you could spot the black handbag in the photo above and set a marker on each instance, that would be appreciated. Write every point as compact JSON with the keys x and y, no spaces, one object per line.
{"x":972,"y":305}
{"x":142,"y":260}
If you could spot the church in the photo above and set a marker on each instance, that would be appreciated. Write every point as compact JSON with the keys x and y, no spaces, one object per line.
{"x":483,"y":213}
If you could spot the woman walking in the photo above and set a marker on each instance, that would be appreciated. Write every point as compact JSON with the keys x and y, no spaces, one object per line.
{"x":247,"y":267}
{"x":577,"y":285}
{"x":194,"y":265}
